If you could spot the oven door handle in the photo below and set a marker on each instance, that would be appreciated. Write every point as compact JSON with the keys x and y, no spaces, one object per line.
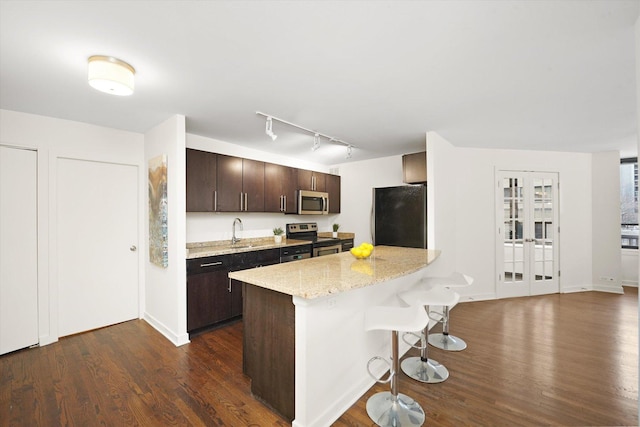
{"x":317,"y":250}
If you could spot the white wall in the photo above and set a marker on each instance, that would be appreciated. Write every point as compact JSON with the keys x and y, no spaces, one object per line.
{"x":442,"y":202}
{"x":461,"y":209}
{"x":166,"y":288}
{"x":607,"y":256}
{"x":55,"y":138}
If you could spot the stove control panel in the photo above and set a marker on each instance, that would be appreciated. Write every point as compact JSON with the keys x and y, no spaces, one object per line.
{"x":302,"y":227}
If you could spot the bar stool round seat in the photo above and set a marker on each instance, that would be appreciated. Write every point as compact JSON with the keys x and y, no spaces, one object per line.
{"x":390,"y":408}
{"x":445,"y":340}
{"x":423,"y":368}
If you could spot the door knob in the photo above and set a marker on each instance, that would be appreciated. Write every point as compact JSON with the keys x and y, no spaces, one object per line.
{"x":133,"y":248}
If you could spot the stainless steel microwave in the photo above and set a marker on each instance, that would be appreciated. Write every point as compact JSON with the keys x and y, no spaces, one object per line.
{"x":313,"y":202}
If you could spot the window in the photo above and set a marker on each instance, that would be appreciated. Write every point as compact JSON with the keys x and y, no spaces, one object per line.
{"x":629,"y":203}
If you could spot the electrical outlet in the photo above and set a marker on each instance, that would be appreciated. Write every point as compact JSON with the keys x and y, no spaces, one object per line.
{"x":331,"y":302}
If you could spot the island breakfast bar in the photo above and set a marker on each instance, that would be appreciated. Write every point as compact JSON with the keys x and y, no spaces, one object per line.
{"x":305,"y":348}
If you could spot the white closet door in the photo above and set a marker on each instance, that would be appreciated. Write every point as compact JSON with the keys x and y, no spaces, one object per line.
{"x":18,"y":249}
{"x":97,"y":232}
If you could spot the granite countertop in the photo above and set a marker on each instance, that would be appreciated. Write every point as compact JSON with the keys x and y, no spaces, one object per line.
{"x":223,"y":247}
{"x":341,"y":235}
{"x":320,"y":276}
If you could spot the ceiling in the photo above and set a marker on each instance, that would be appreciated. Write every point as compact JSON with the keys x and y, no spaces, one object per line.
{"x":542,"y":75}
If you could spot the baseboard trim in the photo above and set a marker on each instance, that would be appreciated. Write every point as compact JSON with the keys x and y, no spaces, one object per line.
{"x":177,"y":340}
{"x":479,"y":297}
{"x":614,"y":289}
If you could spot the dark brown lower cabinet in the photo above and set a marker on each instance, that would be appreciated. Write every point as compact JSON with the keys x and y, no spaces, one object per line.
{"x":208,"y":292}
{"x":208,"y":299}
{"x":212,"y":297}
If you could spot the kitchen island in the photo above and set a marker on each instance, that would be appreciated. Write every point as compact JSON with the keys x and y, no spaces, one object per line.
{"x":305,"y":348}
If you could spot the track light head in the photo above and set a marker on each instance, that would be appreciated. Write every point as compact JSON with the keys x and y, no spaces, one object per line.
{"x":348,"y":152}
{"x":269,"y":129}
{"x":316,"y":142}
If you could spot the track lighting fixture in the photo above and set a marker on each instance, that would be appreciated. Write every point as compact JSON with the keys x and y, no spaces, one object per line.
{"x":269,"y":129}
{"x":316,"y":135}
{"x":316,"y":142}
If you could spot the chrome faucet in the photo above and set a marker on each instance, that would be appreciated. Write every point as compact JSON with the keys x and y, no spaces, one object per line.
{"x":234,"y":239}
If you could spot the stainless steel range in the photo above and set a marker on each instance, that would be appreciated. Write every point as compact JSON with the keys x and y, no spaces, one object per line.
{"x":309,"y":231}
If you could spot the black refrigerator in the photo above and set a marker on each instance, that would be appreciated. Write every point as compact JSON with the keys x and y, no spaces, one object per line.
{"x":399,"y":216}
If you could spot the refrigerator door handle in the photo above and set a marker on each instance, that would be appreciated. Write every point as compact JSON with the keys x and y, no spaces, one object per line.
{"x":372,"y":222}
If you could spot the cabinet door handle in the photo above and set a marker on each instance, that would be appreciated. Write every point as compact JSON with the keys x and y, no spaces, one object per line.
{"x":246,"y":201}
{"x":215,"y":200}
{"x":284,"y":204}
{"x":229,"y":288}
{"x":211,"y":264}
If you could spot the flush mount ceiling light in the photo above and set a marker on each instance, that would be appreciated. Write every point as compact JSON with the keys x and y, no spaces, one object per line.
{"x":111,"y":75}
{"x":269,"y":129}
{"x":316,"y":135}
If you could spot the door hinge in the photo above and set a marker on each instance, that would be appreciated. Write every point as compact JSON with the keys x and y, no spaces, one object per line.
{"x":558,"y":273}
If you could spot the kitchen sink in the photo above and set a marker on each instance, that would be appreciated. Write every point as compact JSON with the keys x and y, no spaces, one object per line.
{"x":241,"y":246}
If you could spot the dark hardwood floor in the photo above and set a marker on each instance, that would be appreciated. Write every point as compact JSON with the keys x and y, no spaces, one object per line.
{"x":569,"y":360}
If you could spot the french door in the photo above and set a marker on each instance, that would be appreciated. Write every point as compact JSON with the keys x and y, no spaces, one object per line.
{"x":527,"y":233}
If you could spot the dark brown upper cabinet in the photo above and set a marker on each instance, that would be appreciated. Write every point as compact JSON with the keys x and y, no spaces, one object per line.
{"x":240,"y":184}
{"x":333,"y":188}
{"x":414,"y":168}
{"x":311,"y":180}
{"x":222,"y":183}
{"x":280,"y":185}
{"x":201,"y":180}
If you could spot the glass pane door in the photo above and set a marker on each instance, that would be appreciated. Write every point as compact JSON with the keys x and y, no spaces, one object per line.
{"x":513,"y":205}
{"x":526,"y":224}
{"x":544,"y":224}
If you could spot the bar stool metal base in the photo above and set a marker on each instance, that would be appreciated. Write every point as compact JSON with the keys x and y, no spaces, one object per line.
{"x":447,"y":342}
{"x":386,"y":412}
{"x":431,"y":371}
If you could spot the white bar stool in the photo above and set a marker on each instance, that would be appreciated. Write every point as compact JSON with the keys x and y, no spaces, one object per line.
{"x":390,"y":408}
{"x":445,"y":340}
{"x":423,"y":368}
